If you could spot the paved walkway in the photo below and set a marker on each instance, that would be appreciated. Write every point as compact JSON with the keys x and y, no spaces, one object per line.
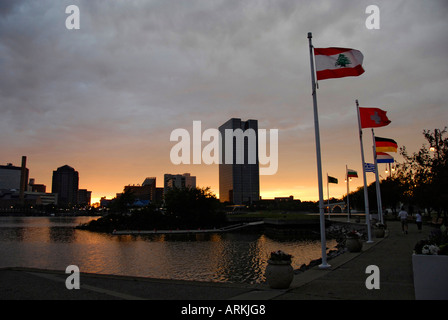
{"x":345,"y":279}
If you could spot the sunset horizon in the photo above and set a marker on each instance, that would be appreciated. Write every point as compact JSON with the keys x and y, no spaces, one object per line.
{"x":104,"y":98}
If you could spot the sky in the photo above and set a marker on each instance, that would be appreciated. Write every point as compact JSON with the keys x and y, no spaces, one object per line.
{"x":105,"y":98}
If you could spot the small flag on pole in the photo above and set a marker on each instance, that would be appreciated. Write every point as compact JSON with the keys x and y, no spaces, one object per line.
{"x":337,"y":63}
{"x":382,"y":157}
{"x":369,"y":167}
{"x":385,"y":145}
{"x":373,"y":118}
{"x":332,"y":180}
{"x":352,"y":173}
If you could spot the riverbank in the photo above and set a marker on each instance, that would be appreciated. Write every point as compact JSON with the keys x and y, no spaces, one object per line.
{"x":344,"y":280}
{"x":154,"y":222}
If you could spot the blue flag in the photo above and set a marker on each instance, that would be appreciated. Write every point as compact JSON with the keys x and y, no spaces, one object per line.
{"x":369,"y":167}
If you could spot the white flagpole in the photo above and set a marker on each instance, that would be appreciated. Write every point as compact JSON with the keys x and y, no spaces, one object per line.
{"x":366,"y":195}
{"x":324,"y":264}
{"x":378,"y":189}
{"x":328,"y":197}
{"x":348,"y":192}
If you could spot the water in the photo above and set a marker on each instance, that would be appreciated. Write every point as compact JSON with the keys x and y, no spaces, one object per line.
{"x":53,"y":243}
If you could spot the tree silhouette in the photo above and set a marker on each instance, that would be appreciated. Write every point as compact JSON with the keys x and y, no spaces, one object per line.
{"x":193,"y":207}
{"x":426,"y":172}
{"x":122,"y":202}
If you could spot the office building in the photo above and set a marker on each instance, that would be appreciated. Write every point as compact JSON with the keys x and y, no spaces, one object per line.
{"x":66,"y":184}
{"x":178,"y":181}
{"x":14,"y":189}
{"x":10,"y":176}
{"x":36,"y":187}
{"x":150,"y":183}
{"x":147,"y":191}
{"x":239,"y":179}
{"x":84,"y":197}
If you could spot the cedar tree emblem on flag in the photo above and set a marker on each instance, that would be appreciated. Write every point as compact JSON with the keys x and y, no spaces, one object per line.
{"x":342,"y":61}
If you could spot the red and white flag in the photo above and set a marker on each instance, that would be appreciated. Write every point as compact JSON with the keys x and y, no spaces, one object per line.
{"x":337,"y":63}
{"x":373,"y":117}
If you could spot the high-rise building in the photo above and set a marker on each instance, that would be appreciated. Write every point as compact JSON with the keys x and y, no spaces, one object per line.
{"x":10,"y":176}
{"x":150,"y":183}
{"x":239,"y":179}
{"x":66,"y":184}
{"x":84,"y":197}
{"x":178,"y":181}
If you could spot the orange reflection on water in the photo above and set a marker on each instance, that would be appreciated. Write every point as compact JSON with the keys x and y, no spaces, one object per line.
{"x":53,"y":243}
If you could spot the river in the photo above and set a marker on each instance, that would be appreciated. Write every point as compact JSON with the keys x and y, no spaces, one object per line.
{"x":53,"y":243}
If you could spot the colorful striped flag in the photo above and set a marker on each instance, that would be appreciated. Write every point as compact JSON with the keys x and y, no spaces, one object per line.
{"x":385,"y":145}
{"x":369,"y":167}
{"x":337,"y":63}
{"x":352,"y":173}
{"x":382,"y":157}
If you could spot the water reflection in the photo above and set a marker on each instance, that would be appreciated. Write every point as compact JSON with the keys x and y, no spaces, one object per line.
{"x":53,"y":243}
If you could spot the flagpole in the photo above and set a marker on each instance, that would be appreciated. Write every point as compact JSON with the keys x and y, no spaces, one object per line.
{"x":378,"y":189}
{"x":324,"y":264}
{"x":348,"y":192}
{"x":366,"y":195}
{"x":328,"y":197}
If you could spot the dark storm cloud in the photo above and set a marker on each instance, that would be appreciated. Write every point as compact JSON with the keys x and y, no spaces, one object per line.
{"x":148,"y":56}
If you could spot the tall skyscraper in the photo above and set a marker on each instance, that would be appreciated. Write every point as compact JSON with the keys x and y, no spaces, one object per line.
{"x":66,"y":184}
{"x":239,"y":178}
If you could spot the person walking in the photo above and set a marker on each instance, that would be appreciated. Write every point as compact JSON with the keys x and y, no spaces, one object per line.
{"x":403,"y":215}
{"x":418,"y":221}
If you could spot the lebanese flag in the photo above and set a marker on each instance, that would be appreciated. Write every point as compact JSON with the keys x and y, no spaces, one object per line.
{"x":382,"y":157}
{"x":337,"y":63}
{"x":373,"y":117}
{"x":385,"y":144}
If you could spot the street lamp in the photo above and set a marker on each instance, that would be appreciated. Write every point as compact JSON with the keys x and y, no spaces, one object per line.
{"x":435,"y":145}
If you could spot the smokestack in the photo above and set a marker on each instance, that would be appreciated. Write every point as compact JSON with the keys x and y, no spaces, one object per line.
{"x":23,"y":181}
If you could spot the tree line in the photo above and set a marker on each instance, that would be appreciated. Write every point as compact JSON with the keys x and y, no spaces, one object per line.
{"x":420,"y":182}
